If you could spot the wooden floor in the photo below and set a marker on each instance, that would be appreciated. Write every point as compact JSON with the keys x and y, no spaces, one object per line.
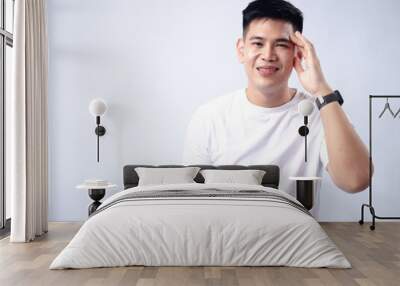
{"x":374,"y":255}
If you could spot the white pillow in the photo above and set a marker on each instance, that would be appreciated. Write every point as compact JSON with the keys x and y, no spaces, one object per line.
{"x":164,"y":176}
{"x":248,"y":177}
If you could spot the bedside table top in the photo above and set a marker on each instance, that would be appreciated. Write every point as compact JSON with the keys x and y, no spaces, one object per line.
{"x":305,"y":178}
{"x":93,"y":187}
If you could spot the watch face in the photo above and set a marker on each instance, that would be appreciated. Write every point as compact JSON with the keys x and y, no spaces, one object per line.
{"x":320,"y":101}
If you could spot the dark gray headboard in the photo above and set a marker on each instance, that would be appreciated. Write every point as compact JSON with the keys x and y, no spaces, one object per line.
{"x":270,"y":179}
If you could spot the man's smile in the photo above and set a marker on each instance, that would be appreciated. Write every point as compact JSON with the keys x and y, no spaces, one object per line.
{"x":267,"y":70}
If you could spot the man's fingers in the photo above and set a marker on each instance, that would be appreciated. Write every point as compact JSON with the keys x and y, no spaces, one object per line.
{"x":303,"y":39}
{"x":296,"y":41}
{"x":301,"y":46}
{"x":308,"y":45}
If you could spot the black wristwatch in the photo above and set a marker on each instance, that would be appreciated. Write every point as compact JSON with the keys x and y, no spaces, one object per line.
{"x":321,"y":101}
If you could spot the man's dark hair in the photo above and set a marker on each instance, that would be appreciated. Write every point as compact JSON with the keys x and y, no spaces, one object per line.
{"x":272,"y":9}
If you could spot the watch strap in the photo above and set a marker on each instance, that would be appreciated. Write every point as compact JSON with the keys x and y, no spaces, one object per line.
{"x":335,"y":96}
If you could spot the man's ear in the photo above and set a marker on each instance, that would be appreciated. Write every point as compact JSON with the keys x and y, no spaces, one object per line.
{"x":240,"y":49}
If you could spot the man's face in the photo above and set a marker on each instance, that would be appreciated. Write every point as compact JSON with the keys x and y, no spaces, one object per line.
{"x":267,"y":53}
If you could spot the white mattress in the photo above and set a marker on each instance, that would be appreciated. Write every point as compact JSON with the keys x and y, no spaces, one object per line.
{"x":200,"y":231}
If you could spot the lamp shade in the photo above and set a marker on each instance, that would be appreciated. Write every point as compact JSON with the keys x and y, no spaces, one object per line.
{"x":306,"y":107}
{"x":97,"y":107}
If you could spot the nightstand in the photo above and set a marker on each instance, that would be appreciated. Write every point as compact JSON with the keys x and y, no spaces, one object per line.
{"x":96,"y":191}
{"x":305,"y":190}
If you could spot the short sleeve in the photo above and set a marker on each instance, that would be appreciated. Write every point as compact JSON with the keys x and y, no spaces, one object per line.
{"x":197,"y":139}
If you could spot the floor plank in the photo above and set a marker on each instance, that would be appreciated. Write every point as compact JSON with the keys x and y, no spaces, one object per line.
{"x":374,"y":255}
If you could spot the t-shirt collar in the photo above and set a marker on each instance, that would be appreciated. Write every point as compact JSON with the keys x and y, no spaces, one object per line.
{"x":256,"y":109}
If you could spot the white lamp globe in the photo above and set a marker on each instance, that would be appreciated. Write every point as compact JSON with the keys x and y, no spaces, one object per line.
{"x":306,"y":107}
{"x":97,"y":107}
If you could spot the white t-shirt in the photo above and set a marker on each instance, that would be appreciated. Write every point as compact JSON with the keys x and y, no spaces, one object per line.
{"x":232,"y":130}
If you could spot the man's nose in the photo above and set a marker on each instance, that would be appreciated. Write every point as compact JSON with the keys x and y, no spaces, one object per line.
{"x":268,"y":53}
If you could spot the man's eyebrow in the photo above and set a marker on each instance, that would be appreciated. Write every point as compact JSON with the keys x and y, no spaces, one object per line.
{"x":257,"y":38}
{"x":283,"y":40}
{"x":277,"y":40}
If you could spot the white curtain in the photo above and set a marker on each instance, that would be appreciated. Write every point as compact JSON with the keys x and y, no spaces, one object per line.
{"x":28,"y":122}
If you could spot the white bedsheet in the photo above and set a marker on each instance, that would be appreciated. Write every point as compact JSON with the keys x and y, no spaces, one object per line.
{"x":199,"y":231}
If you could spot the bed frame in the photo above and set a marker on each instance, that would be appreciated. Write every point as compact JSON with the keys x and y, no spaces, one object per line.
{"x":270,"y":179}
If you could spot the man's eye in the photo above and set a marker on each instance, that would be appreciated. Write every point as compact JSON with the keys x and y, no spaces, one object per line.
{"x":257,"y":44}
{"x":283,"y":45}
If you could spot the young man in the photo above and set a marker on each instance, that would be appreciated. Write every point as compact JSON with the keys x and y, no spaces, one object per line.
{"x":259,"y":124}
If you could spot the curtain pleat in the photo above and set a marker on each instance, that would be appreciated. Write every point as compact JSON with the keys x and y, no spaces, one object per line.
{"x":29,"y":172}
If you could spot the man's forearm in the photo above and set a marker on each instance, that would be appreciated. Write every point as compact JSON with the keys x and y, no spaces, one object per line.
{"x":348,"y":156}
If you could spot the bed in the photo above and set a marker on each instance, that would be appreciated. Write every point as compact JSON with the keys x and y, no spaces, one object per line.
{"x":201,"y":224}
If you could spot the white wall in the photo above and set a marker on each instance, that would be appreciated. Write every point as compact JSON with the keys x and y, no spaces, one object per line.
{"x":155,"y":61}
